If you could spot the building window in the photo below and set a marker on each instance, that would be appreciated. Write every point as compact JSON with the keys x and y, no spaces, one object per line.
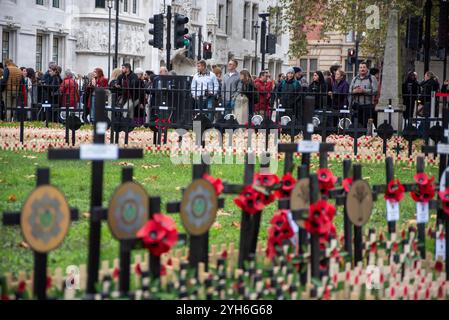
{"x":254,"y":20}
{"x":254,"y":67}
{"x":247,"y":63}
{"x":245,"y":20}
{"x":228,"y":16}
{"x":308,"y":66}
{"x":100,"y":3}
{"x":135,"y":6}
{"x":39,"y":53}
{"x":220,"y":16}
{"x":40,"y":2}
{"x":349,"y":70}
{"x":313,"y":66}
{"x":125,"y":5}
{"x":55,"y":57}
{"x":350,"y":37}
{"x":5,"y":46}
{"x":55,"y":3}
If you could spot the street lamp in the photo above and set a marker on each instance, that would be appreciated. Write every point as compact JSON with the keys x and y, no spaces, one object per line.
{"x":256,"y":31}
{"x":110,"y":5}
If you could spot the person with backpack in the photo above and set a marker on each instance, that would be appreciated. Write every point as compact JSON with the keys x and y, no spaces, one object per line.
{"x":287,"y":95}
{"x":363,"y":90}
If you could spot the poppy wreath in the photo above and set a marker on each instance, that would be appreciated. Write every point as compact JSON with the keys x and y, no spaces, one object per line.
{"x":159,"y":234}
{"x":395,"y":191}
{"x":216,"y":182}
{"x":287,"y":185}
{"x":319,"y":222}
{"x":347,"y":183}
{"x":266,"y":183}
{"x":326,"y":180}
{"x":250,"y":200}
{"x":426,"y":190}
{"x":279,"y":231}
{"x":444,"y":196}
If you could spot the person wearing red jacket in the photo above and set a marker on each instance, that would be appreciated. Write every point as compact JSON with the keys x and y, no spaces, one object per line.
{"x":264,"y":88}
{"x":69,"y":91}
{"x":98,"y":81}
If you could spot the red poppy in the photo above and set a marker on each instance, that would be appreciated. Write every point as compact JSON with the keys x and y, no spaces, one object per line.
{"x":288,"y":183}
{"x":115,"y":273}
{"x":21,"y":286}
{"x":395,"y":191}
{"x":422,"y":179}
{"x":159,"y":234}
{"x":444,"y":196}
{"x":279,"y":231}
{"x":138,"y":269}
{"x":438,"y":266}
{"x":326,"y":180}
{"x":216,"y":182}
{"x":48,"y":285}
{"x":425,"y":192}
{"x":347,"y":183}
{"x":250,"y":200}
{"x":320,"y":218}
{"x":265,"y":179}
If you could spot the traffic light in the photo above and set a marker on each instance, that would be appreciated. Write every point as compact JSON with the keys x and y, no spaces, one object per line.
{"x":271,"y":43}
{"x":190,"y":52}
{"x":351,"y":56}
{"x":207,"y":50}
{"x":180,"y":30}
{"x":157,"y":31}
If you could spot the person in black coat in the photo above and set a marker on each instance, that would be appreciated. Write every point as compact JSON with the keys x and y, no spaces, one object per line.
{"x":410,"y":90}
{"x":129,"y":84}
{"x":318,"y":86}
{"x":429,"y":84}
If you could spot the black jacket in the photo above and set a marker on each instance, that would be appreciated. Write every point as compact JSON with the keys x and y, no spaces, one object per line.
{"x":426,"y":90}
{"x":129,"y":86}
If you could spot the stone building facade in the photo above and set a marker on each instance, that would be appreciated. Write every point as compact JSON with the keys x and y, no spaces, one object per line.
{"x":75,"y":33}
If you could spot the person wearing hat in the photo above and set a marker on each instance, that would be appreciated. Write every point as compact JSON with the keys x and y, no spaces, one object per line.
{"x":300,"y":77}
{"x":287,"y":95}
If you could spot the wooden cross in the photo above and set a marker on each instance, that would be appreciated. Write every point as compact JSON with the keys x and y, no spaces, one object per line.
{"x":250,"y":223}
{"x":356,"y":130}
{"x":40,"y":257}
{"x":324,"y":129}
{"x":198,"y":244}
{"x":98,"y":152}
{"x":442,"y":149}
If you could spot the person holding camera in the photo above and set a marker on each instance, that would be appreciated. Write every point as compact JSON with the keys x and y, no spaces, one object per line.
{"x":204,"y":88}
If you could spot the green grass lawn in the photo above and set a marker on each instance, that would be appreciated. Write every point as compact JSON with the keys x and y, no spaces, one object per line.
{"x":160,"y":177}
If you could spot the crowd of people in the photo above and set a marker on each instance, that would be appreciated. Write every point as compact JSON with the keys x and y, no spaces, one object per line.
{"x":238,"y":92}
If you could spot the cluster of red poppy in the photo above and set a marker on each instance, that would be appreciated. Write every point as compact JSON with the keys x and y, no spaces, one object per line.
{"x":320,"y":220}
{"x":159,"y":234}
{"x":426,"y":189}
{"x":326,"y":180}
{"x":279,"y":231}
{"x":395,"y":191}
{"x":266,"y":188}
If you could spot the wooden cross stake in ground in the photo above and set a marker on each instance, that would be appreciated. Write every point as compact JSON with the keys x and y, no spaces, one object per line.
{"x":98,"y":152}
{"x":44,"y":219}
{"x":198,"y":210}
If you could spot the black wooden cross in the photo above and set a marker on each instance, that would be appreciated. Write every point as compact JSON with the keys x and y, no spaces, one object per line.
{"x":98,"y":152}
{"x":40,"y":258}
{"x":249,"y":226}
{"x":198,"y":244}
{"x":356,"y":130}
{"x":442,"y":149}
